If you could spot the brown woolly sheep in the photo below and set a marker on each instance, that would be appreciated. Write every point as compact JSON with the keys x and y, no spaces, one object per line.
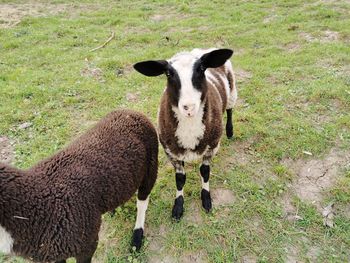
{"x":53,"y":210}
{"x":200,"y":87}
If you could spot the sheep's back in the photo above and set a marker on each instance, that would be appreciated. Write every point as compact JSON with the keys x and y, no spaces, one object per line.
{"x":66,"y":193}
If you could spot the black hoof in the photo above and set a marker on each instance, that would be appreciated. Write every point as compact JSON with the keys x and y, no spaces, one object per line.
{"x":206,"y":200}
{"x":178,"y":208}
{"x":137,"y":237}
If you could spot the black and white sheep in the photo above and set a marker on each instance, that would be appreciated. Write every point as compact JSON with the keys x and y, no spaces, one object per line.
{"x":200,"y":87}
{"x":53,"y":210}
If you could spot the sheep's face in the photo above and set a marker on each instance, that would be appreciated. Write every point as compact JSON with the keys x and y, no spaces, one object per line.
{"x":186,"y":82}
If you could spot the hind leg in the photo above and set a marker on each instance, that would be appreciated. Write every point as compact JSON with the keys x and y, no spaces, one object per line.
{"x":229,"y":125}
{"x":137,"y":236}
{"x":142,"y":204}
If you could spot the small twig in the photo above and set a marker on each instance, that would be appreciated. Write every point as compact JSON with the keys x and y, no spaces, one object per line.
{"x":21,"y":217}
{"x":105,"y":43}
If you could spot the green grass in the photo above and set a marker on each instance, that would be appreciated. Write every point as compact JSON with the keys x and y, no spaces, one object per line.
{"x":296,"y":99}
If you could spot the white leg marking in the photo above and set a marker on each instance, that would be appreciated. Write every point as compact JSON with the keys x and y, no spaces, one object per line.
{"x":179,"y":193}
{"x":206,"y":162}
{"x":6,"y":241}
{"x":205,"y":185}
{"x":141,"y":213}
{"x":180,"y":170}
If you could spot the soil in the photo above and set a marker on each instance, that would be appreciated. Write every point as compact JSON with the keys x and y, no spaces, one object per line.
{"x":12,"y":14}
{"x":7,"y":152}
{"x":222,"y":196}
{"x":314,"y":176}
{"x":242,"y":75}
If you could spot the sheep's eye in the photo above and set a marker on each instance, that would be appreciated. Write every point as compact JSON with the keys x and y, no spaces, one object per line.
{"x":168,"y":73}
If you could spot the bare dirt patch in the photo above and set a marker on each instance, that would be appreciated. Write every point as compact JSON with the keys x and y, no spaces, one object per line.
{"x":242,"y":75}
{"x":292,"y":47}
{"x":156,"y":238}
{"x":7,"y":152}
{"x":314,"y":176}
{"x":242,"y":154}
{"x":164,"y":259}
{"x":325,"y":36}
{"x":249,"y":259}
{"x":308,"y":37}
{"x":194,"y":257}
{"x":292,"y":254}
{"x":133,"y":97}
{"x":168,"y":15}
{"x":293,"y":251}
{"x":12,"y":14}
{"x":334,"y":68}
{"x":290,"y":212}
{"x":158,"y":18}
{"x":330,"y":36}
{"x":269,"y":18}
{"x":90,"y":70}
{"x":222,"y":196}
{"x":193,"y":214}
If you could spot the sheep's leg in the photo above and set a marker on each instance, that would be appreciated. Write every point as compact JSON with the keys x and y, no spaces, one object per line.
{"x":229,"y":125}
{"x":140,"y":222}
{"x":205,"y":194}
{"x":142,"y":200}
{"x":178,"y":208}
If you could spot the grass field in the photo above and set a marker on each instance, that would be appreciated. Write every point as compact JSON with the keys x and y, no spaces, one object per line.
{"x":290,"y":158}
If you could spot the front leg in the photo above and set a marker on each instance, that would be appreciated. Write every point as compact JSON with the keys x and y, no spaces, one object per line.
{"x":180,"y":177}
{"x":205,"y":193}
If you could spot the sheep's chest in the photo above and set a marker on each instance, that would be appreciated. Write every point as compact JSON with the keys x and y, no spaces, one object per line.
{"x":6,"y":241}
{"x":189,"y":131}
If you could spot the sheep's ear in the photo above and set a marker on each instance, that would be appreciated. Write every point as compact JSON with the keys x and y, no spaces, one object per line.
{"x":216,"y":58}
{"x":151,"y":68}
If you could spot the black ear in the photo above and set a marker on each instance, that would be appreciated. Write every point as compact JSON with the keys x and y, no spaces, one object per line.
{"x":151,"y":68}
{"x":216,"y":58}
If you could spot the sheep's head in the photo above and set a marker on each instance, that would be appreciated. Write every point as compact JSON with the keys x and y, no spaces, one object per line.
{"x":187,"y":85}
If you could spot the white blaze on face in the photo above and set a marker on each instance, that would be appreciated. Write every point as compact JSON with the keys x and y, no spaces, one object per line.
{"x":189,"y":97}
{"x":6,"y":241}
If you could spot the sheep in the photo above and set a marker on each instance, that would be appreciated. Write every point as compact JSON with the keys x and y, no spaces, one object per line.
{"x":52,"y":211}
{"x":200,"y":87}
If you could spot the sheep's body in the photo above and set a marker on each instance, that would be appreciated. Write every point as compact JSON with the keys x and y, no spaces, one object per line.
{"x":200,"y":87}
{"x":53,"y":210}
{"x":189,"y":139}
